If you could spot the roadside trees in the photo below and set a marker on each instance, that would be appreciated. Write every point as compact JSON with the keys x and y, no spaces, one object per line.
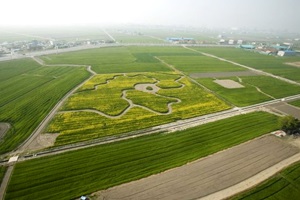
{"x":290,"y":125}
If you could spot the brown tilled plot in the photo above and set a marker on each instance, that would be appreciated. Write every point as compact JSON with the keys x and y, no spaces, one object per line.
{"x":207,"y":175}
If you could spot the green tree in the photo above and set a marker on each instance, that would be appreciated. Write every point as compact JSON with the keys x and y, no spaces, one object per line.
{"x":289,"y":124}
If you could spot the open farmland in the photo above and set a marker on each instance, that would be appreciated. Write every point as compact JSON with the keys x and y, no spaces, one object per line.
{"x":69,"y":175}
{"x":256,"y":89}
{"x":108,"y":60}
{"x":245,"y":96}
{"x":284,"y":185}
{"x":123,"y":108}
{"x":271,"y":64}
{"x":29,"y":93}
{"x":200,"y":63}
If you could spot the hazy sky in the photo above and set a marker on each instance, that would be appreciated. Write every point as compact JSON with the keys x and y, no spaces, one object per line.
{"x":276,"y":14}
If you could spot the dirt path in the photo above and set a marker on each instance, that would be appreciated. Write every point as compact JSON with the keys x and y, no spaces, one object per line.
{"x":209,"y":175}
{"x":4,"y":127}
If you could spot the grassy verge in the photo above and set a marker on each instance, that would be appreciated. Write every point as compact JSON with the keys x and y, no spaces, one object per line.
{"x":72,"y":174}
{"x":284,"y":185}
{"x":2,"y":172}
{"x":295,"y":103}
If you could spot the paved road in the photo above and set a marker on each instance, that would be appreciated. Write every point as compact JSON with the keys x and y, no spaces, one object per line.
{"x":208,"y":175}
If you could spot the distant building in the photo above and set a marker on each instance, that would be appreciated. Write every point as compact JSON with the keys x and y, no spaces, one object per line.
{"x":180,"y":40}
{"x":240,"y":42}
{"x":247,"y":46}
{"x":286,"y":53}
{"x":280,"y":48}
{"x":230,"y":41}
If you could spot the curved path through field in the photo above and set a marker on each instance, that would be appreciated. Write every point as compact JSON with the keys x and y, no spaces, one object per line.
{"x":130,"y":102}
{"x":208,"y":175}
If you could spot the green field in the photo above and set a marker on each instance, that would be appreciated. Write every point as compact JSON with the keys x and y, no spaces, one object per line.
{"x":70,"y":175}
{"x":75,"y":123}
{"x":295,"y":103}
{"x":108,"y":60}
{"x":284,"y":185}
{"x":29,"y":93}
{"x":271,"y":64}
{"x":200,"y":64}
{"x":238,"y":96}
{"x":249,"y":94}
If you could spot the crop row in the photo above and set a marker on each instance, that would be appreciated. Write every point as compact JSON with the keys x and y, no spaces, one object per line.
{"x":70,"y":175}
{"x":191,"y":64}
{"x":35,"y":97}
{"x":284,"y":185}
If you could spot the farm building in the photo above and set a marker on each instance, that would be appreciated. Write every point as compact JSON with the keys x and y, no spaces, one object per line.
{"x":180,"y":40}
{"x":247,"y":46}
{"x":231,"y":42}
{"x":280,"y":48}
{"x":286,"y":53}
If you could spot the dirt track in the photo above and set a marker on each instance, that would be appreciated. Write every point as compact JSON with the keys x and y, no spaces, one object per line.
{"x":4,"y":127}
{"x":206,"y":176}
{"x":223,"y":74}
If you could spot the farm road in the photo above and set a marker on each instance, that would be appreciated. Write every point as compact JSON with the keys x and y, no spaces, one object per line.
{"x":208,"y":175}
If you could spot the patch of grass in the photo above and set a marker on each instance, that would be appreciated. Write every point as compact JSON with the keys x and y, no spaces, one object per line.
{"x":69,"y":175}
{"x":199,"y":63}
{"x":2,"y":172}
{"x":284,"y":185}
{"x":109,"y":60}
{"x":151,"y":101}
{"x":272,"y":86}
{"x":295,"y":103}
{"x":238,"y":96}
{"x":30,"y":95}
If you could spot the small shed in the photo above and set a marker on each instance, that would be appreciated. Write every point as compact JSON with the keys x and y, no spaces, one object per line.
{"x":286,"y":53}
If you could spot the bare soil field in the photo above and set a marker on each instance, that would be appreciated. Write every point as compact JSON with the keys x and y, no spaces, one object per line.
{"x":4,"y":127}
{"x":223,"y":74}
{"x":230,"y":84}
{"x":208,"y":175}
{"x":42,"y":141}
{"x":286,"y":109}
